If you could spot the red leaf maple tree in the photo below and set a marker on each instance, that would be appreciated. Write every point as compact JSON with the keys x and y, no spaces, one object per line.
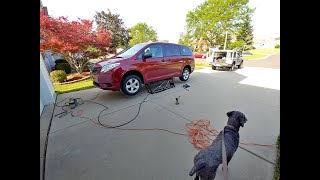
{"x":75,"y":40}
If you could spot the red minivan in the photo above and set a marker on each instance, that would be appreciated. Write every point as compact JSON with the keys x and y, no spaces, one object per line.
{"x":143,"y":63}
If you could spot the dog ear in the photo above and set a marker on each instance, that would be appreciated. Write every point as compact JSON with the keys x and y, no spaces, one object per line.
{"x":229,"y":113}
{"x":197,"y":167}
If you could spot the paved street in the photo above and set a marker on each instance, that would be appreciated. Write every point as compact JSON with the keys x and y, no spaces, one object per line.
{"x":271,"y":62}
{"x":79,"y":149}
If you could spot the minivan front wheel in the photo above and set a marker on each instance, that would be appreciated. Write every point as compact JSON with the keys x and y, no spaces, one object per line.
{"x":131,"y":85}
{"x":185,"y":74}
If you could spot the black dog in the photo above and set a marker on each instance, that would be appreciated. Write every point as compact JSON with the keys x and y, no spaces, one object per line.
{"x":208,"y":159}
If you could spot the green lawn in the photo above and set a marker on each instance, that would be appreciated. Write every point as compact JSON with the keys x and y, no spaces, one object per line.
{"x":260,"y":53}
{"x":85,"y":84}
{"x":204,"y":64}
{"x":254,"y":56}
{"x":199,"y":67}
{"x":267,"y":51}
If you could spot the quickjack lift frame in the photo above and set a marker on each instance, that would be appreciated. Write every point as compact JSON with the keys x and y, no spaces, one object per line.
{"x":168,"y":84}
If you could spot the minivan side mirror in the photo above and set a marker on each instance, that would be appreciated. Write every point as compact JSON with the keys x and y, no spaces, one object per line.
{"x":147,"y":55}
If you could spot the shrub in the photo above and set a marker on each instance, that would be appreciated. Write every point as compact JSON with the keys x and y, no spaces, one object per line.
{"x":58,"y":76}
{"x":63,"y":66}
{"x":60,"y":61}
{"x":277,"y":46}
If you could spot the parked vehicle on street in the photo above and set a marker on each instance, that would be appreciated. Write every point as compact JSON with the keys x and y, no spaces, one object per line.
{"x":200,"y":55}
{"x":224,"y":59}
{"x":143,"y":63}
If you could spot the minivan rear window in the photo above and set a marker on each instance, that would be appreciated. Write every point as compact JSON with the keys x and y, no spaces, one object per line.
{"x":185,"y":51}
{"x":171,"y":50}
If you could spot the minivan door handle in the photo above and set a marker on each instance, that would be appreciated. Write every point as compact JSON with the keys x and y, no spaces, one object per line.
{"x":163,"y":61}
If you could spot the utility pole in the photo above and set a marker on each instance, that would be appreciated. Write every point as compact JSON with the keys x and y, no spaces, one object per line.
{"x":225,"y":41}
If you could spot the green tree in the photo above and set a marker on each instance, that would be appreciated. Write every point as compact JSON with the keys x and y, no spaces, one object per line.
{"x":186,"y":39}
{"x":212,"y":19}
{"x":115,"y":26}
{"x":237,"y":45}
{"x":183,"y":39}
{"x":141,"y":32}
{"x":245,"y":33}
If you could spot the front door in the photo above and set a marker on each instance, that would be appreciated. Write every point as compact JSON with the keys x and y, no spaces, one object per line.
{"x":154,"y":67}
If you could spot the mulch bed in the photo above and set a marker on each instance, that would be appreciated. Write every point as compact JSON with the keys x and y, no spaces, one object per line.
{"x":75,"y":77}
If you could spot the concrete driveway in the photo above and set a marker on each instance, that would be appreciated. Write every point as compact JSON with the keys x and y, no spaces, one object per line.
{"x":80,"y":149}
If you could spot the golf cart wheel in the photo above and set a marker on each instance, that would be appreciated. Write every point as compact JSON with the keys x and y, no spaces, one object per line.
{"x":131,"y":85}
{"x":213,"y":67}
{"x":232,"y":67}
{"x":240,"y":65}
{"x":185,"y":74}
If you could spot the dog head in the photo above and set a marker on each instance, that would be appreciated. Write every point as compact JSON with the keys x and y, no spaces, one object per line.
{"x":236,"y":119}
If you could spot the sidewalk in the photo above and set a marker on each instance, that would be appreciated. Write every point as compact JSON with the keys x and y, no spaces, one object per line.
{"x":44,"y":126}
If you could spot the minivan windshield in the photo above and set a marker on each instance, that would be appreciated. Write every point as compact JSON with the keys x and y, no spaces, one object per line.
{"x":131,"y":51}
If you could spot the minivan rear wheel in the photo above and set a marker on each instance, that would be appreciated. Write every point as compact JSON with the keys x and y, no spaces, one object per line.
{"x":185,"y":74}
{"x":131,"y":85}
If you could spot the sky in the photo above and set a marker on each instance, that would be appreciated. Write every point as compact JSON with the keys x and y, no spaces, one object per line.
{"x":167,"y":17}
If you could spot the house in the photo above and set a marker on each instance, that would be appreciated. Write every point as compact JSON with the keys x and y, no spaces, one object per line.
{"x":47,"y":94}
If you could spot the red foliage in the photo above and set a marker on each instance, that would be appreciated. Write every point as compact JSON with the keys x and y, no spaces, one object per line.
{"x":63,"y":36}
{"x":73,"y":38}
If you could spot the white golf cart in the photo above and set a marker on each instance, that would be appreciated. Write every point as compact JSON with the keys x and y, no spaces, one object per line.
{"x":224,"y":59}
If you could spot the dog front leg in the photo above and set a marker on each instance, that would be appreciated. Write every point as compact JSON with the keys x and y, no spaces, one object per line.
{"x":196,"y":178}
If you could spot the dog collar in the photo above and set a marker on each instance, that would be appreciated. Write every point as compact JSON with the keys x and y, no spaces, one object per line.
{"x":232,"y":127}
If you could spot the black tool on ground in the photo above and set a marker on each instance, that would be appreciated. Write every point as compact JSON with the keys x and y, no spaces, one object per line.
{"x":185,"y":86}
{"x":177,"y":100}
{"x":74,"y":102}
{"x":165,"y":84}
